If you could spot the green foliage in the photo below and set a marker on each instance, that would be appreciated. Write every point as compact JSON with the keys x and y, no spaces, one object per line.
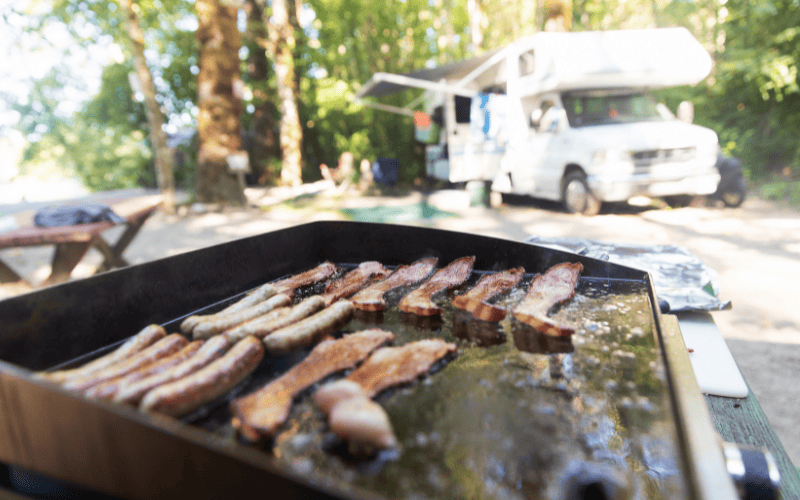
{"x":103,"y":144}
{"x":751,"y":98}
{"x":369,"y":37}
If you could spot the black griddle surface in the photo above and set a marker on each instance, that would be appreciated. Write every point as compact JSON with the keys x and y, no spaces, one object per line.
{"x":513,"y":415}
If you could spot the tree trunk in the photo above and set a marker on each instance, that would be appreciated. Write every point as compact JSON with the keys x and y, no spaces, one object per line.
{"x":477,"y":24}
{"x":219,"y":88}
{"x":558,"y":15}
{"x":263,"y":124}
{"x":164,"y":162}
{"x":281,"y":49}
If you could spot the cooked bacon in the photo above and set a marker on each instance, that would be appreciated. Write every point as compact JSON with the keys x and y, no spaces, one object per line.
{"x":419,"y":301}
{"x":319,"y":273}
{"x":352,"y":415}
{"x":553,"y":287}
{"x":354,"y":281}
{"x":258,"y":295}
{"x":371,"y":298}
{"x":391,"y":366}
{"x":261,"y":413}
{"x":277,"y":319}
{"x":474,"y":301}
{"x":309,"y":330}
{"x":363,"y":423}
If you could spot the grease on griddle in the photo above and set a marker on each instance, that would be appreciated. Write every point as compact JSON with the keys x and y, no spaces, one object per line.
{"x":433,"y":322}
{"x":529,"y":339}
{"x":476,"y":331}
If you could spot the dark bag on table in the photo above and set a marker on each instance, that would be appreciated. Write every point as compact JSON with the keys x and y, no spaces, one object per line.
{"x":72,"y":215}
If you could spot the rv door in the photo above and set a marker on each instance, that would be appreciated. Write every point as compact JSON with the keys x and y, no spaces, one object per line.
{"x":533,"y":165}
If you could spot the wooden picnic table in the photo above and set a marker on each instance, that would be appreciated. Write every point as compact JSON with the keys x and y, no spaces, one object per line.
{"x":72,"y":243}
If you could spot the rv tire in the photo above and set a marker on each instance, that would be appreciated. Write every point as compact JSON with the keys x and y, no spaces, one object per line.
{"x":576,"y":196}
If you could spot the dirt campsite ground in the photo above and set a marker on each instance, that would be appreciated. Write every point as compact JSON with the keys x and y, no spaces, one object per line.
{"x":754,"y":249}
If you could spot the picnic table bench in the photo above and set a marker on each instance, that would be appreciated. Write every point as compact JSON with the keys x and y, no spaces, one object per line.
{"x":73,"y":242}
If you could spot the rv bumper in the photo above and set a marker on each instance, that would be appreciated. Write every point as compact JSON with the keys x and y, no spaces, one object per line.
{"x":621,"y":188}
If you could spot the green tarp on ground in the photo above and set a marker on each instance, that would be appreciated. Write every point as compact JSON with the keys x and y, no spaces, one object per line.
{"x":395,"y":214}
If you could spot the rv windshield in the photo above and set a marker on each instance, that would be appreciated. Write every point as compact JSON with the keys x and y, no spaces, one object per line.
{"x":585,"y":110}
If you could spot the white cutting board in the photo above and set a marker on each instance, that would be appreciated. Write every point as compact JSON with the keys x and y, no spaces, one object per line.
{"x":714,"y":367}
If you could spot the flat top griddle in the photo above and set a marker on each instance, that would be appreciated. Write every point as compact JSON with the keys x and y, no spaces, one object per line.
{"x":515,"y":414}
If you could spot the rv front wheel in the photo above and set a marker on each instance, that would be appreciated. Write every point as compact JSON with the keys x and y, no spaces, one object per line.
{"x":577,"y":197}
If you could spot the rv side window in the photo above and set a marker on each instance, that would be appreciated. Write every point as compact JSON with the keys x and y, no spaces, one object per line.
{"x":549,"y":116}
{"x":526,"y":63}
{"x":463,"y":106}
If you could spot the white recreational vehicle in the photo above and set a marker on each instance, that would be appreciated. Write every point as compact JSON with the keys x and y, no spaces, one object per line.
{"x":564,"y":116}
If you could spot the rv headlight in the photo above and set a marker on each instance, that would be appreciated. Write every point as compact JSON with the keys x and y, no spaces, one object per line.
{"x":610,"y":156}
{"x":599,"y":157}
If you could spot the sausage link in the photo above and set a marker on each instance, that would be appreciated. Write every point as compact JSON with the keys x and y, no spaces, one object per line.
{"x":258,"y":295}
{"x":212,"y":349}
{"x":209,"y":328}
{"x":141,"y":340}
{"x":164,"y":347}
{"x":261,"y":327}
{"x":205,"y":385}
{"x":107,"y":390}
{"x":307,"y":331}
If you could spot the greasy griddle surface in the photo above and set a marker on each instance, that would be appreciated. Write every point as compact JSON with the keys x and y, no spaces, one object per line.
{"x":512,"y":415}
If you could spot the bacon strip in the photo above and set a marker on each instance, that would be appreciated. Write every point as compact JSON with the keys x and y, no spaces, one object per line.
{"x":280,"y":318}
{"x":319,"y":273}
{"x":352,"y":415}
{"x":212,"y":349}
{"x":354,"y":281}
{"x":390,"y":366}
{"x":258,"y":295}
{"x":474,"y":301}
{"x":203,"y":386}
{"x":146,"y":337}
{"x":107,"y":390}
{"x":419,"y":301}
{"x":261,"y":413}
{"x":371,"y":298}
{"x":553,"y":287}
{"x":215,"y":326}
{"x":307,"y":331}
{"x":164,"y":347}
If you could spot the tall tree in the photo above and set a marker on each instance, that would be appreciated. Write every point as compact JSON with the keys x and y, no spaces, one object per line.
{"x":263,"y":119}
{"x":219,"y":92}
{"x":155,"y":119}
{"x":281,"y":50}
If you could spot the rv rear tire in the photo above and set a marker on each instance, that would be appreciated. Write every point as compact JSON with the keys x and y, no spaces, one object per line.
{"x":576,"y":195}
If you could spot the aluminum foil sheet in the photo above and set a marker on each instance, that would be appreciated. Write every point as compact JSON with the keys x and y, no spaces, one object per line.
{"x":680,"y":277}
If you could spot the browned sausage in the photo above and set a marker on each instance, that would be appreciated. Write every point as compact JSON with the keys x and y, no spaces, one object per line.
{"x":109,"y":389}
{"x":164,"y":347}
{"x":258,"y":295}
{"x":141,"y":340}
{"x":213,"y":348}
{"x":307,"y":331}
{"x":205,"y":385}
{"x":211,"y":327}
{"x":261,"y":327}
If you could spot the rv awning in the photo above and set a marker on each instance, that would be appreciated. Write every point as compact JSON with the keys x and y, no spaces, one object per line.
{"x":382,"y":84}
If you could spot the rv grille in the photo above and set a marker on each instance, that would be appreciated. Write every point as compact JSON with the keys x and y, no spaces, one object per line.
{"x":644,"y":159}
